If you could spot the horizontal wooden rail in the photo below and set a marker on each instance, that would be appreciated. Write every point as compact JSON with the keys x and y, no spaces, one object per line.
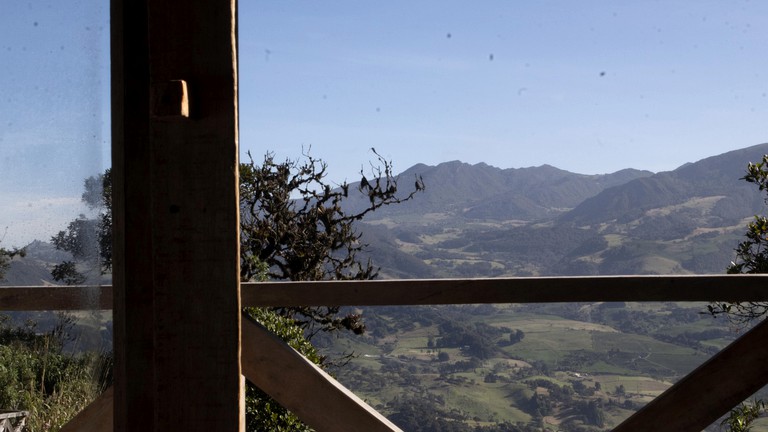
{"x":498,"y":290}
{"x":39,"y":298}
{"x":508,"y":290}
{"x":432,"y":291}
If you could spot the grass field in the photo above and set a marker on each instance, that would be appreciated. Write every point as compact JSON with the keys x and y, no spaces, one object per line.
{"x":557,"y":348}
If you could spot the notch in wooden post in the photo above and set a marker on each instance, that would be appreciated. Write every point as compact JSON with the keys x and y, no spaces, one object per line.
{"x":170,"y":99}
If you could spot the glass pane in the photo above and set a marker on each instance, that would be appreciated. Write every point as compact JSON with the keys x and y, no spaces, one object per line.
{"x":552,"y":138}
{"x":54,"y":134}
{"x":55,"y":128}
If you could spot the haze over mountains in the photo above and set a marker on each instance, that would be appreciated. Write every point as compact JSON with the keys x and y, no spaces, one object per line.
{"x":482,"y":221}
{"x":478,"y":220}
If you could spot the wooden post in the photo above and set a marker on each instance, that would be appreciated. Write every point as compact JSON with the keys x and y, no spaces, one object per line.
{"x":177,"y":304}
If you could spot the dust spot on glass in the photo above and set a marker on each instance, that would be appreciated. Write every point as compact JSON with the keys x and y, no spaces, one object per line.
{"x":490,"y":57}
{"x":35,"y":24}
{"x":448,"y":35}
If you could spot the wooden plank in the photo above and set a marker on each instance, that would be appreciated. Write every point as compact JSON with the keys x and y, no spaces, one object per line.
{"x":195,"y":210}
{"x":13,"y":414}
{"x":438,"y":291}
{"x":508,"y":290}
{"x":133,"y":325}
{"x":710,"y":391}
{"x":96,"y":417}
{"x":47,"y":298}
{"x":302,"y":387}
{"x":177,"y":305}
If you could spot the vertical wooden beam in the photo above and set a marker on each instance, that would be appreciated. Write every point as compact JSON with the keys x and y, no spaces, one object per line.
{"x":177,"y":303}
{"x":133,"y":309}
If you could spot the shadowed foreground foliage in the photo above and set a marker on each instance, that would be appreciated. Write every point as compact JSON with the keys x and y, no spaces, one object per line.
{"x":37,"y":375}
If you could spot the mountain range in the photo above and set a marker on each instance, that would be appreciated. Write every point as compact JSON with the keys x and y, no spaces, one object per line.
{"x":479,"y":220}
{"x":482,"y":221}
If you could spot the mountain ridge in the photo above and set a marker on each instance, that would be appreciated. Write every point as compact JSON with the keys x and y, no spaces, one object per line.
{"x":683,"y":221}
{"x":487,"y":192}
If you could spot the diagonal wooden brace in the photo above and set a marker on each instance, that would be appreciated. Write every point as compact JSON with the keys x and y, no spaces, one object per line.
{"x":710,"y":391}
{"x":96,"y":417}
{"x":302,"y":387}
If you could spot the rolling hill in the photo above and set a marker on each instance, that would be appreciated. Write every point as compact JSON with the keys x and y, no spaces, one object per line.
{"x":477,"y":220}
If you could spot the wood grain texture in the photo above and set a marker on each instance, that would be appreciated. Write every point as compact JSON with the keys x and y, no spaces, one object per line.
{"x":437,"y":291}
{"x":302,"y":387}
{"x":46,"y":298}
{"x":508,"y":290}
{"x":177,"y":305}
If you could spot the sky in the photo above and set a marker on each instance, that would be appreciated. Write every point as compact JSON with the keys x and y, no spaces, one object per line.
{"x":54,"y":101}
{"x":589,"y":86}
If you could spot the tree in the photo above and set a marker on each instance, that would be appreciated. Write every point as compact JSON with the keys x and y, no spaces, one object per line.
{"x":88,"y":240}
{"x":293,"y":227}
{"x":751,"y":258}
{"x":6,"y":255}
{"x":294,"y":221}
{"x":751,"y":253}
{"x":516,"y":336}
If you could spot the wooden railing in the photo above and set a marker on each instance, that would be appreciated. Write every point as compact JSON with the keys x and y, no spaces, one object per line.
{"x":691,"y":404}
{"x":13,"y":421}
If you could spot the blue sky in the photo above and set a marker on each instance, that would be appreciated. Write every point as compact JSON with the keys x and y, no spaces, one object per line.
{"x":54,"y":127}
{"x":587,"y":86}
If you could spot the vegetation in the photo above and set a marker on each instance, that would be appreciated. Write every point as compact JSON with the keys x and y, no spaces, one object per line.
{"x":293,"y":226}
{"x":742,"y":417}
{"x":751,"y":253}
{"x":489,"y":368}
{"x":751,"y":258}
{"x":88,"y":240}
{"x":39,"y":376}
{"x":578,"y":367}
{"x":293,"y":221}
{"x":262,"y":413}
{"x":6,"y":255}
